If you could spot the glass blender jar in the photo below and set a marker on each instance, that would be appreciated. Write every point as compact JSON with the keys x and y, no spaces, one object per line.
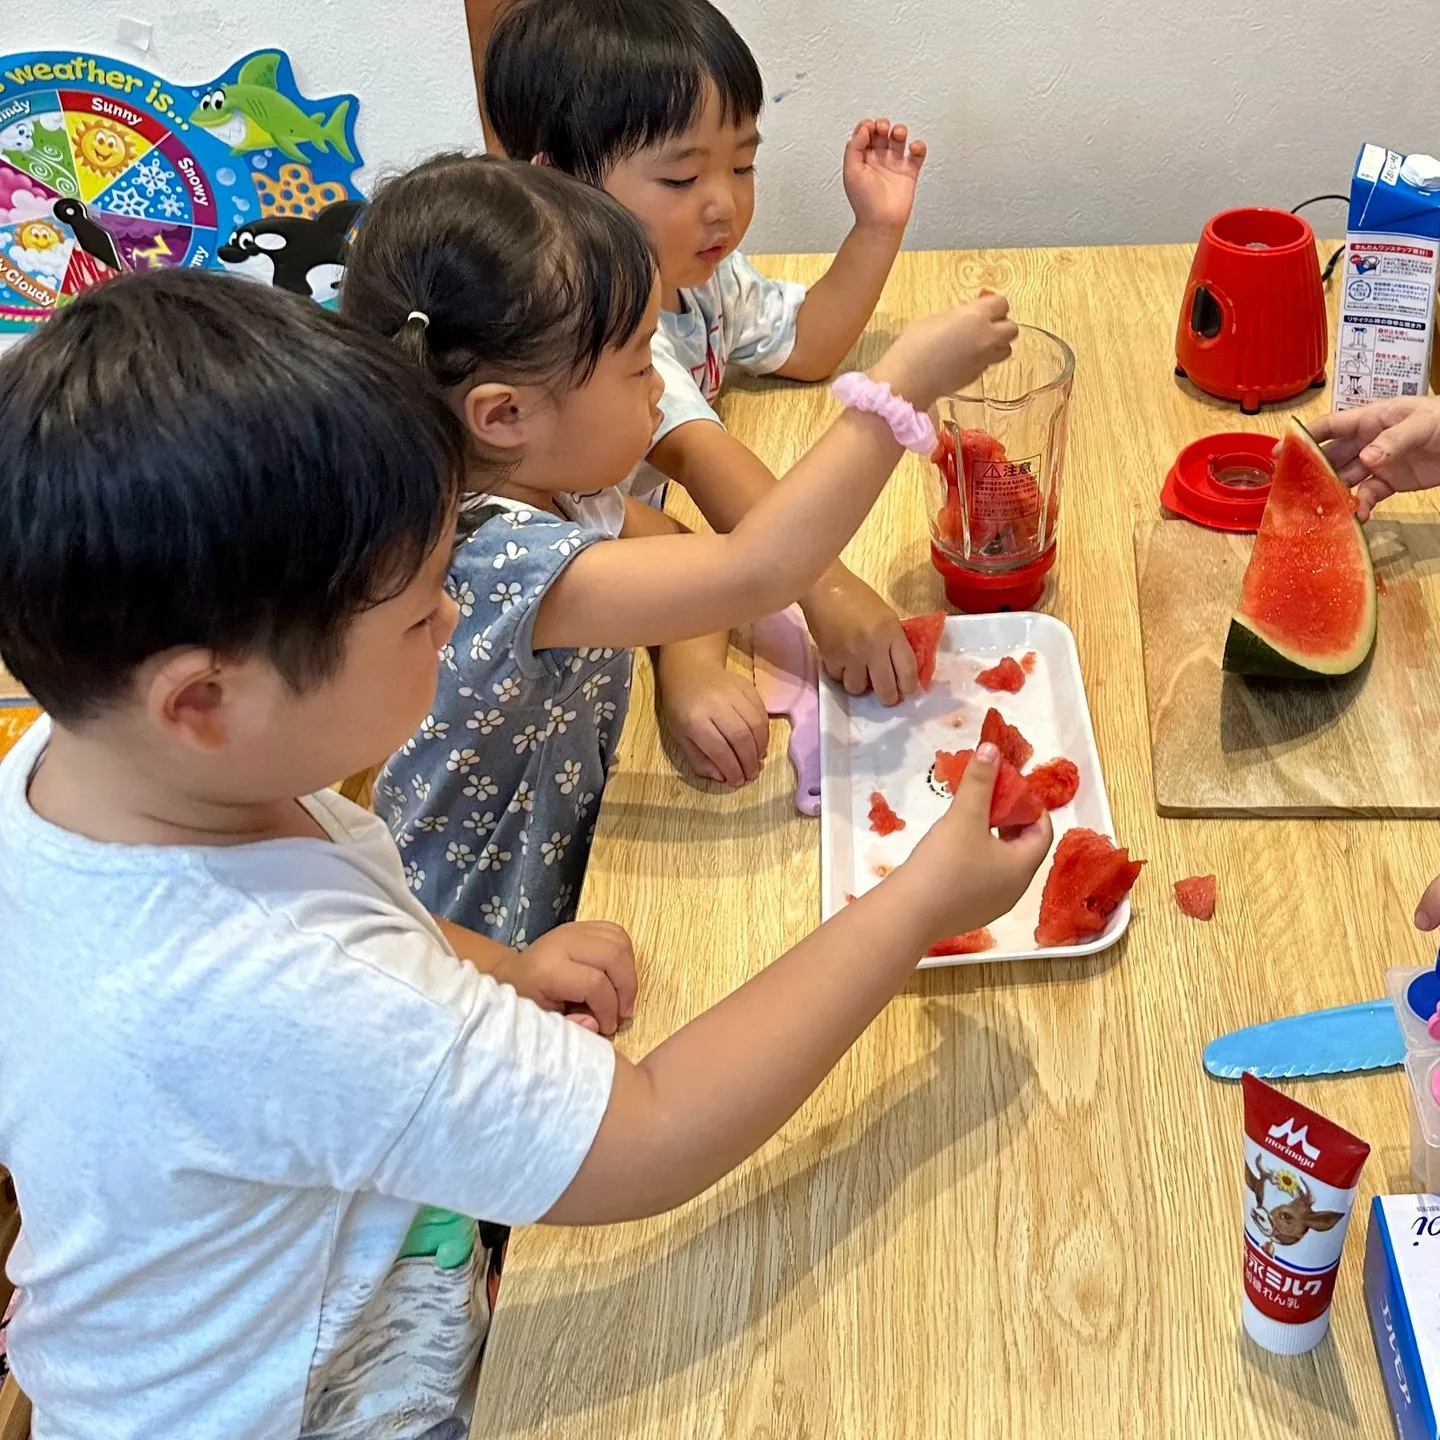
{"x":994,"y":491}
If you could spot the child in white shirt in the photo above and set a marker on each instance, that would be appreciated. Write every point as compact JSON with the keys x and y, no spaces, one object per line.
{"x":657,"y":101}
{"x":240,"y":1067}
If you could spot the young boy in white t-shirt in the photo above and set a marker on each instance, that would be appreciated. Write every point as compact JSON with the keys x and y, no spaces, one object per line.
{"x":657,"y":102}
{"x":248,"y":1087}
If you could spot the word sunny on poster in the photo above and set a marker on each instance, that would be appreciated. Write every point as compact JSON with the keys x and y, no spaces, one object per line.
{"x":106,"y":168}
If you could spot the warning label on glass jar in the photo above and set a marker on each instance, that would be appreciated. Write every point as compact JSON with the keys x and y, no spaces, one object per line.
{"x":1387,"y":311}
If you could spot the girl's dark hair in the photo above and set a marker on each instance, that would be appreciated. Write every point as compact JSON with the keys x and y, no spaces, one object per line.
{"x":195,"y":459}
{"x":483,"y":268}
{"x":587,"y":83}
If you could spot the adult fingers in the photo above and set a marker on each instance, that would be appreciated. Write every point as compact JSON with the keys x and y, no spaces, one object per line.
{"x":1369,"y":493}
{"x":1414,"y":432}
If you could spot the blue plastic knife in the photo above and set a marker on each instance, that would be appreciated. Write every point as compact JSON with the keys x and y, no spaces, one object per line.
{"x":1324,"y":1042}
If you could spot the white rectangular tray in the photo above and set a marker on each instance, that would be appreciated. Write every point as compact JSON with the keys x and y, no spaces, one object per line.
{"x":865,"y":747}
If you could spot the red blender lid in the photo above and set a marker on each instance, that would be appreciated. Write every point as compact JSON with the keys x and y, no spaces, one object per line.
{"x":1222,"y":481}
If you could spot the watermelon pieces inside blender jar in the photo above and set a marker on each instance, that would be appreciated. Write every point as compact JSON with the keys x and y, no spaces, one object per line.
{"x":924,"y":632}
{"x":1001,"y":499}
{"x":1089,"y":877}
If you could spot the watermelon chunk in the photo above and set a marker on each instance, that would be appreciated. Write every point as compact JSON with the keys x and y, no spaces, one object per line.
{"x":1196,"y":896}
{"x":1088,"y":879}
{"x":1027,"y":662}
{"x":1012,"y":804}
{"x":1055,"y":782}
{"x":1011,"y":744}
{"x":924,"y":632}
{"x":1006,"y":676}
{"x":1307,"y":604}
{"x":883,"y":820}
{"x":970,"y":942}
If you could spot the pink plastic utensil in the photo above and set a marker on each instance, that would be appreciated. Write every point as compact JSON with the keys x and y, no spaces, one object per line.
{"x":788,"y":679}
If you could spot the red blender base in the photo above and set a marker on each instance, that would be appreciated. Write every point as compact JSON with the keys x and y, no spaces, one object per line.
{"x":979,"y":593}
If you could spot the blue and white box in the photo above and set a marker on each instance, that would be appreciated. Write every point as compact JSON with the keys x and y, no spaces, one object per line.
{"x":1402,"y":1291}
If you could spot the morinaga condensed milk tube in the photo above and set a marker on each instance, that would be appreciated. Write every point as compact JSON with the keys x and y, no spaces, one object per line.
{"x":1301,"y":1171}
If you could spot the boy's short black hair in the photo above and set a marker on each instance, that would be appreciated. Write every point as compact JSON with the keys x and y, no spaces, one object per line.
{"x":195,"y":459}
{"x":587,"y":83}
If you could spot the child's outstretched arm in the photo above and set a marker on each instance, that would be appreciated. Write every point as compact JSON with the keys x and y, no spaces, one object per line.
{"x":882,"y":166}
{"x":719,"y":1088}
{"x":858,"y":635}
{"x":657,"y":589}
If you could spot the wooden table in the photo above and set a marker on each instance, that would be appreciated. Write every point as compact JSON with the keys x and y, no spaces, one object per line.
{"x":1014,"y":1208}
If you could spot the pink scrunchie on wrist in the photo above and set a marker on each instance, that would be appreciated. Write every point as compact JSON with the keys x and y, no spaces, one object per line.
{"x":912,"y":429}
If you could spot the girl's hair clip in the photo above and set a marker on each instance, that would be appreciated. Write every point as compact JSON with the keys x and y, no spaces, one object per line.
{"x":421,"y":316}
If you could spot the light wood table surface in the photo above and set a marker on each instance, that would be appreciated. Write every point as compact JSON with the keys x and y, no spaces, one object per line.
{"x":1014,"y":1208}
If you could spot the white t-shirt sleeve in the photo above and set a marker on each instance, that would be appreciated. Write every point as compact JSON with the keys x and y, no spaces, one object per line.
{"x":418,"y":1077}
{"x":682,"y":400}
{"x":759,"y":316}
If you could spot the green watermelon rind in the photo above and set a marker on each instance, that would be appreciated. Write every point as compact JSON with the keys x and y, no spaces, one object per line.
{"x":1251,"y":651}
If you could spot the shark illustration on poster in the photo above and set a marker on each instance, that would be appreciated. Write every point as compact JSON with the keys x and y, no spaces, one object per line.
{"x":106,"y":168}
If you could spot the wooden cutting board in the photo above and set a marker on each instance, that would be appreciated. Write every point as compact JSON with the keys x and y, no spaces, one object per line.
{"x":1368,"y":744}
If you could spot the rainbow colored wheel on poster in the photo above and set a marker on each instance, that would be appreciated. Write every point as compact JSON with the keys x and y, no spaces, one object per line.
{"x":106,"y":168}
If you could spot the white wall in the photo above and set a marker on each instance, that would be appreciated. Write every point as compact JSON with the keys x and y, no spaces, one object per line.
{"x":407,"y":60}
{"x":1086,"y":121}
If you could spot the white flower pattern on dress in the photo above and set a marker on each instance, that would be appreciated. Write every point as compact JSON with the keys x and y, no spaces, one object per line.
{"x":535,"y":749}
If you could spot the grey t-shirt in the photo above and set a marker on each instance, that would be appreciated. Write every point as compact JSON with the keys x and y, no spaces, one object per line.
{"x":493,"y":801}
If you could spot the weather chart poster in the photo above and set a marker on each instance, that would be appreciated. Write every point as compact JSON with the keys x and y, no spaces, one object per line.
{"x":106,"y":168}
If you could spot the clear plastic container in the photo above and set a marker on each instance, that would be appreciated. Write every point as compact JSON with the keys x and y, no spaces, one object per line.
{"x":994,"y":496}
{"x":1422,"y":1061}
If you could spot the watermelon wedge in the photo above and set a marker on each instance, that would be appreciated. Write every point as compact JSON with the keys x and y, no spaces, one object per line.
{"x":1013,"y":803}
{"x":883,"y":820}
{"x":1088,"y":879}
{"x":1307,"y":604}
{"x":971,"y":942}
{"x":1011,"y":744}
{"x":924,"y":632}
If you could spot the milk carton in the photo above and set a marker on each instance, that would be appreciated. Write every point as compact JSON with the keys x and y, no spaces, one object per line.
{"x":1387,"y":296}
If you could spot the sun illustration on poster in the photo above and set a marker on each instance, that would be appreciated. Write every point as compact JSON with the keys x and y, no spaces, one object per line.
{"x":39,"y":235}
{"x":104,"y":149}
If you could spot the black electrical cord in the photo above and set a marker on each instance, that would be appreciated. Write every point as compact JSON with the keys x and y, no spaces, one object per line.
{"x":1334,"y":260}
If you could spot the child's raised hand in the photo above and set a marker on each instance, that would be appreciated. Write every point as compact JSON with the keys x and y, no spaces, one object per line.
{"x":943,"y":353}
{"x":859,"y":638}
{"x":586,"y":969}
{"x":961,"y":870}
{"x":716,"y":716}
{"x":1384,"y":448}
{"x":880,"y":174}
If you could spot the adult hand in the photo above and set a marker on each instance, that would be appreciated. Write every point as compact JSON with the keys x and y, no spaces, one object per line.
{"x":1383,"y":448}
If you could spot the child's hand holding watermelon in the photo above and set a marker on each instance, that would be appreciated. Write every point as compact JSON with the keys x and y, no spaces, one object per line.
{"x":963,"y":875}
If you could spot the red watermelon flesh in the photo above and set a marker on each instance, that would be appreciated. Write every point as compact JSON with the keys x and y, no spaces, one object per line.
{"x":1006,"y":676}
{"x":883,"y":820}
{"x":1011,"y":744}
{"x":1196,"y":896}
{"x":1088,"y":879}
{"x":1012,"y":804}
{"x":1055,"y":782}
{"x":1307,"y":603}
{"x":1002,"y":499}
{"x":970,"y":942}
{"x":924,"y":632}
